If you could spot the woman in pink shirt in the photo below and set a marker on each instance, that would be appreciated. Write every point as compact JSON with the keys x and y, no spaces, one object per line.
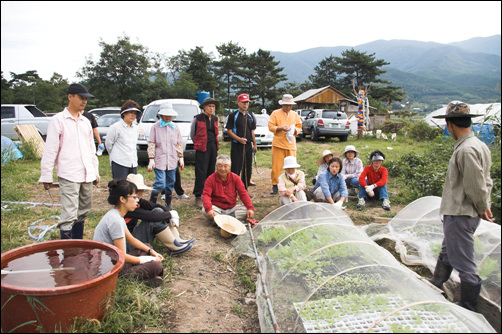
{"x":373,"y":181}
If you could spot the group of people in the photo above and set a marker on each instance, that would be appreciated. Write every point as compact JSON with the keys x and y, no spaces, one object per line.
{"x":70,"y":146}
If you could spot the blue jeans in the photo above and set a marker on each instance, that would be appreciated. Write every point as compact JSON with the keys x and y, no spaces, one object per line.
{"x":352,"y":183}
{"x":164,"y":179}
{"x":380,"y":192}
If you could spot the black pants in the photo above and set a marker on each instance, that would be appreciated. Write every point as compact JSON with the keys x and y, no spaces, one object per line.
{"x":242,"y":161}
{"x":204,"y":166}
{"x":121,"y":172}
{"x":177,"y":183}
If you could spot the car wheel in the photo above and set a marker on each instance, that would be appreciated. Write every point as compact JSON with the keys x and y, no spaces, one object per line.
{"x":343,"y":138}
{"x":314,"y":135}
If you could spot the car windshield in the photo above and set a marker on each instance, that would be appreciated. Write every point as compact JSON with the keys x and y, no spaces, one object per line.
{"x":261,"y":121}
{"x":107,"y":120}
{"x":186,"y":113}
{"x":331,"y":114}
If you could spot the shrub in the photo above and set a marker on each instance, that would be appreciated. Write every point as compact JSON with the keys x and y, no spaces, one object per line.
{"x":422,"y":131}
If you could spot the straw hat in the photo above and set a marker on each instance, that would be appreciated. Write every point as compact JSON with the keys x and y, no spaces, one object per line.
{"x":320,"y":161}
{"x":137,"y":179}
{"x":290,"y":162}
{"x":229,"y":225}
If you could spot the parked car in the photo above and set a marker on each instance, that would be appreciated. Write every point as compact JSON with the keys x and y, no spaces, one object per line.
{"x":104,"y":123}
{"x":326,"y":123}
{"x":20,"y":114}
{"x":186,"y":109}
{"x":98,"y":112}
{"x":262,"y":134}
{"x":303,"y":113}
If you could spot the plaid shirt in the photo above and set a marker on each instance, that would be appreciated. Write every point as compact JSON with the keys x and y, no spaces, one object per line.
{"x":352,"y":169}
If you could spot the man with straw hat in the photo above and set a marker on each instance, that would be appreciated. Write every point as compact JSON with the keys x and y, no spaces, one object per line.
{"x":221,"y":190}
{"x":465,"y":199}
{"x":285,"y":125}
{"x":204,"y":133}
{"x":241,"y":125}
{"x":165,"y":149}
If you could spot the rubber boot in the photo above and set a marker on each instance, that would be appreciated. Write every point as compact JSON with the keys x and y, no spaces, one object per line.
{"x":153,"y":196}
{"x":469,"y":294}
{"x":77,"y":230}
{"x":275,"y":190}
{"x":442,"y":273}
{"x":168,"y":202}
{"x":65,"y":234}
{"x":167,"y":238}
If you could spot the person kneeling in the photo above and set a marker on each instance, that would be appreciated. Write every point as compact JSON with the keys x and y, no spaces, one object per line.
{"x":291,"y":182}
{"x":220,"y":193}
{"x":330,"y":186}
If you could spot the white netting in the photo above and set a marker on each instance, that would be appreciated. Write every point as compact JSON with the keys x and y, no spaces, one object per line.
{"x":321,"y":273}
{"x":418,"y":233}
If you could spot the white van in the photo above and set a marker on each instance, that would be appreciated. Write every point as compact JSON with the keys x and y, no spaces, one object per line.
{"x":186,"y":109}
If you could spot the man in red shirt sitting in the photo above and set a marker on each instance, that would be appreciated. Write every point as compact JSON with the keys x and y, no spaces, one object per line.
{"x":220,"y":193}
{"x":373,"y":181}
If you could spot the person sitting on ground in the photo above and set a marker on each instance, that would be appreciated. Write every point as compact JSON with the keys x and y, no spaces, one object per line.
{"x":291,"y":182}
{"x":330,"y":186}
{"x":220,"y":193}
{"x":373,"y":181}
{"x":323,"y":164}
{"x":352,"y":169}
{"x":143,"y":262}
{"x":156,"y":221}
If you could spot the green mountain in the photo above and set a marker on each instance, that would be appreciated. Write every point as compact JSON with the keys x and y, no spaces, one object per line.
{"x":429,"y":72}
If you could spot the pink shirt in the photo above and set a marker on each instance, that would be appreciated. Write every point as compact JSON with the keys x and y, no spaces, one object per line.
{"x":69,"y":145}
{"x":166,"y":140}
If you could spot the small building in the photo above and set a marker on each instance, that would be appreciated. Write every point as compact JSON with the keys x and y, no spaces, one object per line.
{"x":319,"y":98}
{"x":351,"y":107}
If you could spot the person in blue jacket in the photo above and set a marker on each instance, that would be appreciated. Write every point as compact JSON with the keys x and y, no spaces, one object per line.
{"x":330,"y":186}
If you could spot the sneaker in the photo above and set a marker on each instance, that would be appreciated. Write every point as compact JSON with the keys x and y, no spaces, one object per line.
{"x":198,"y":201}
{"x":184,"y":196}
{"x":361,"y":203}
{"x":163,"y":197}
{"x":386,"y":204}
{"x":153,"y":282}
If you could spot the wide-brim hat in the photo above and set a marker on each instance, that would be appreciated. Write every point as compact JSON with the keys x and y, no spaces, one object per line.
{"x":320,"y":161}
{"x":229,"y":226}
{"x":290,"y":162}
{"x":137,"y":179}
{"x":287,"y":99}
{"x":166,"y":109}
{"x":210,"y":100}
{"x":457,"y":109}
{"x":350,"y":148}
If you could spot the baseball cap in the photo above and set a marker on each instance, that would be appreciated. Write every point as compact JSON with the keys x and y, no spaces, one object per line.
{"x":243,"y":98}
{"x":79,"y":89}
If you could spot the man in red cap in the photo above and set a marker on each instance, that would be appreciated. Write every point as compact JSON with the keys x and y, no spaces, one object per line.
{"x":241,"y":125}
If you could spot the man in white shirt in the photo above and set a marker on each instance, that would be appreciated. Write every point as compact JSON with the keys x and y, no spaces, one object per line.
{"x":70,"y":146}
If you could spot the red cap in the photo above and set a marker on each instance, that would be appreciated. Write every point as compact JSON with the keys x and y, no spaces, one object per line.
{"x":243,"y":98}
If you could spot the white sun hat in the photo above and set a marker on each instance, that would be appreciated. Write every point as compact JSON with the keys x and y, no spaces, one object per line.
{"x":137,"y":179}
{"x":229,"y":225}
{"x":166,"y":109}
{"x":290,"y":162}
{"x":287,"y":99}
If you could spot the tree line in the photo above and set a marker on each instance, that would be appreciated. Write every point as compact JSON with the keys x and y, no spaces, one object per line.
{"x":127,"y":70}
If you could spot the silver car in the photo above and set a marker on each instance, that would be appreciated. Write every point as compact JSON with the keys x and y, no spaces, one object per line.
{"x":326,"y":123}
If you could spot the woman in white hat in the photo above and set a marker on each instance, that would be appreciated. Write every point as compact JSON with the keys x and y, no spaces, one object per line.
{"x":165,"y":149}
{"x":327,"y":155}
{"x":121,"y":141}
{"x":291,"y":182}
{"x":156,"y":221}
{"x":352,"y":169}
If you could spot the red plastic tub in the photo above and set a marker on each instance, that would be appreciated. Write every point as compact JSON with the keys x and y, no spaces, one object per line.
{"x":61,"y":303}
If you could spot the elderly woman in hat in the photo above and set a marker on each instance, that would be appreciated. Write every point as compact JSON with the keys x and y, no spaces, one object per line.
{"x":165,"y":149}
{"x":373,"y":181}
{"x":330,"y":186}
{"x":204,"y":132}
{"x":157,"y":221}
{"x":352,"y":169}
{"x":121,"y":141}
{"x":285,"y":125}
{"x":291,"y":182}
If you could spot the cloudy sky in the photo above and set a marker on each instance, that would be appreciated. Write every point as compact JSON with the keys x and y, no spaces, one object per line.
{"x":58,"y":36}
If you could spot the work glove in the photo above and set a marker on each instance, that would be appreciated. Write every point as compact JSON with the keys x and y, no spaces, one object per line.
{"x":151,"y":165}
{"x":338,"y":205}
{"x":182,"y":163}
{"x":175,"y":218}
{"x":145,"y":259}
{"x":369,"y":190}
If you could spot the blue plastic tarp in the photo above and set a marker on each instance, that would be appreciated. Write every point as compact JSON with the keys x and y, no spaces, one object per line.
{"x":9,"y":151}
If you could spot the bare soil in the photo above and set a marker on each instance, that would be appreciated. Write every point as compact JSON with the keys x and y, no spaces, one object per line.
{"x":207,"y":294}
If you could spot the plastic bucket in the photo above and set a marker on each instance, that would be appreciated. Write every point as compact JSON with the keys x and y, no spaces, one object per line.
{"x":56,"y":307}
